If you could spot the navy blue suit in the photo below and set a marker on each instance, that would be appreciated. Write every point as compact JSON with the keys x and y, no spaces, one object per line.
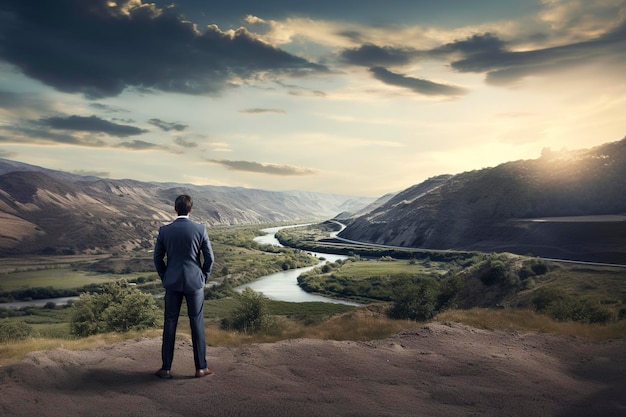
{"x":187,"y":247}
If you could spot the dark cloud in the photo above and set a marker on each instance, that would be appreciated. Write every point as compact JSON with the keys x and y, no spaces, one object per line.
{"x":418,"y":85}
{"x":117,"y":120}
{"x":35,"y":133}
{"x":23,"y":103}
{"x":167,"y":126}
{"x":99,"y":48}
{"x":474,"y":45}
{"x":272,"y":169}
{"x":71,"y":131}
{"x":38,"y":133}
{"x":487,"y":54}
{"x":260,"y":110}
{"x":352,"y":35}
{"x":139,"y":145}
{"x":186,"y":143}
{"x":91,"y":124}
{"x":299,"y":91}
{"x":307,"y":93}
{"x":106,"y":108}
{"x":374,"y":56}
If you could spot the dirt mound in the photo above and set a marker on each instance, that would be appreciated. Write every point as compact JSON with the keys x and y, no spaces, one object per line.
{"x":440,"y":369}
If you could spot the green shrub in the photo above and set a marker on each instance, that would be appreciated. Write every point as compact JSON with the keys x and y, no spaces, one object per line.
{"x":120,"y":307}
{"x":11,"y":330}
{"x":223,"y":290}
{"x":534,"y":267}
{"x":416,"y":301}
{"x":563,"y":307}
{"x":539,"y":267}
{"x":495,"y":272}
{"x":580,"y":310}
{"x":252,"y":315}
{"x":544,"y":297}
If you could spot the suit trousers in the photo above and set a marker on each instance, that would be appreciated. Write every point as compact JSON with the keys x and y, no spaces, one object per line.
{"x":195,"y":309}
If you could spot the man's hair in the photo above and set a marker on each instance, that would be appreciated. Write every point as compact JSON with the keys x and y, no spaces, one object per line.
{"x":183,"y":204}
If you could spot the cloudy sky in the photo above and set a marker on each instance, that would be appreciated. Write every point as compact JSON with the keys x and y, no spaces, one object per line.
{"x":358,"y":97}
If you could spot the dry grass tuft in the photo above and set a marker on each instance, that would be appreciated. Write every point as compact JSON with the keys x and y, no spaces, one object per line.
{"x":350,"y":326}
{"x":527,"y":320}
{"x":16,"y":351}
{"x":359,"y":325}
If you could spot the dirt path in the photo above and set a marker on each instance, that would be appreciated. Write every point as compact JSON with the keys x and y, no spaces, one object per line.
{"x":437,"y":370}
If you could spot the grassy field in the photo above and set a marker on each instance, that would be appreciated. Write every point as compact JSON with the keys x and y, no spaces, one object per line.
{"x":9,"y":265}
{"x":369,"y":268}
{"x":240,"y":260}
{"x":527,"y":320}
{"x":602,"y":284}
{"x":359,"y":324}
{"x":61,"y":278}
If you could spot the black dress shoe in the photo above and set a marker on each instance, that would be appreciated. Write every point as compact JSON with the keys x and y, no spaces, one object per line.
{"x":163,"y":373}
{"x":203,"y":372}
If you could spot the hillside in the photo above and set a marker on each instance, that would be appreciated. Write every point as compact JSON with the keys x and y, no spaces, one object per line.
{"x":51,"y":212}
{"x":568,"y":205}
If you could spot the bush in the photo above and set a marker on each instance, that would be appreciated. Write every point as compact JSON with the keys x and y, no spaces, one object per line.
{"x":120,"y":307}
{"x":220,"y":291}
{"x":561,"y":306}
{"x":584,"y":311}
{"x":416,"y":302}
{"x":539,"y":267}
{"x":544,"y":297}
{"x":252,"y":315}
{"x":11,"y":331}
{"x":534,"y":267}
{"x":494,"y":273}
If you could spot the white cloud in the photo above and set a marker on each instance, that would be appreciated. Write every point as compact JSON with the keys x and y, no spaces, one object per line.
{"x":580,"y":20}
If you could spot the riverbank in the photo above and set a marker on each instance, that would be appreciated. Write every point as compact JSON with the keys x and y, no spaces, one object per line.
{"x":35,"y":275}
{"x":283,"y":286}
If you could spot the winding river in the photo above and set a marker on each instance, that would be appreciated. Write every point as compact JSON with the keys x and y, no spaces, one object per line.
{"x":281,"y":286}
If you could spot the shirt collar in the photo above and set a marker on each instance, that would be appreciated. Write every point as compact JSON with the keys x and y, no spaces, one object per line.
{"x":182,"y":217}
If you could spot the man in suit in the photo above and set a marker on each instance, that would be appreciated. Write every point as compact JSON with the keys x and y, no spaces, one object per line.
{"x":184,"y":275}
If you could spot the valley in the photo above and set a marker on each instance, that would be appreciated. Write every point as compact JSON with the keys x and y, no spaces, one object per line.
{"x":475,"y":239}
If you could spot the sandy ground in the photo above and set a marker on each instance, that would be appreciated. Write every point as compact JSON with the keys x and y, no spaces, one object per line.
{"x":436,"y":370}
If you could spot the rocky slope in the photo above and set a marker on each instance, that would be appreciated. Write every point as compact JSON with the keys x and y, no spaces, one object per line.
{"x":496,"y":209}
{"x":51,"y":212}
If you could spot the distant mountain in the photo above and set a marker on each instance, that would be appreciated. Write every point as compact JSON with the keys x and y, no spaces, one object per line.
{"x":7,"y":165}
{"x":497,"y":209}
{"x":44,"y":211}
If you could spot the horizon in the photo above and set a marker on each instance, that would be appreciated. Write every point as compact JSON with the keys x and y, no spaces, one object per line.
{"x":356,"y":98}
{"x":295,"y":190}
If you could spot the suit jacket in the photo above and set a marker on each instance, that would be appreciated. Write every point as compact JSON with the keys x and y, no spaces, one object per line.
{"x":182,"y":242}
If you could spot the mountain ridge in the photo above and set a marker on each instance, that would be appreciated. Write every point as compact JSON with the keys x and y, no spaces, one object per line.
{"x":489,"y":209}
{"x":52,"y":212}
